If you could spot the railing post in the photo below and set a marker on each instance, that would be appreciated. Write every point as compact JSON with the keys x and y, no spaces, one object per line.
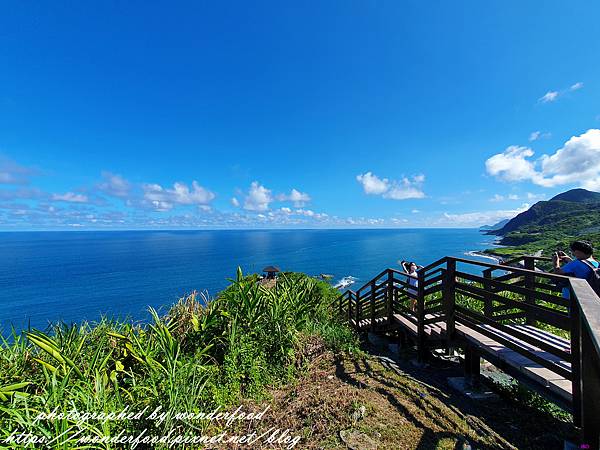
{"x":341,"y":304}
{"x":422,"y":353}
{"x":373,"y":288}
{"x":350,"y":308}
{"x":358,"y":311}
{"x":472,"y":366}
{"x":487,"y":286}
{"x":450,"y":299}
{"x":585,"y":370}
{"x":529,"y":264}
{"x":575,"y":320}
{"x":389,"y":298}
{"x":590,"y":391}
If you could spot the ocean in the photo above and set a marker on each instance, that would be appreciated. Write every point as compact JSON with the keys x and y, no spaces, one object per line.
{"x":82,"y":275}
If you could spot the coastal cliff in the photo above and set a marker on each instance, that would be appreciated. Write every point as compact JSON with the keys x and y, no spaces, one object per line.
{"x":551,"y":225}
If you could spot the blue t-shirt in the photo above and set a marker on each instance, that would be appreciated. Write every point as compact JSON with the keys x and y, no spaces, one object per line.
{"x":578,"y":269}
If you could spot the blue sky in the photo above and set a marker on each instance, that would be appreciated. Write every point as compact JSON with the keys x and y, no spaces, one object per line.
{"x":280,"y":114}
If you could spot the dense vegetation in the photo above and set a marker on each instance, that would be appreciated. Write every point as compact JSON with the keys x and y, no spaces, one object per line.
{"x":202,"y":355}
{"x":552,"y":225}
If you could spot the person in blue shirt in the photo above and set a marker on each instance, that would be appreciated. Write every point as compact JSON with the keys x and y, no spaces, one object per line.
{"x":582,"y":251}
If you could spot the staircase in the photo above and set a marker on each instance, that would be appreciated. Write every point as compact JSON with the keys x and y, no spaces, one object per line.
{"x":512,"y":315}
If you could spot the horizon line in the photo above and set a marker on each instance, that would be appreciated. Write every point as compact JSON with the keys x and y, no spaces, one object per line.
{"x":78,"y":230}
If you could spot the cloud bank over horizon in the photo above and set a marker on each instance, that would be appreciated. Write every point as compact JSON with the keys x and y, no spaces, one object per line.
{"x":113,"y":201}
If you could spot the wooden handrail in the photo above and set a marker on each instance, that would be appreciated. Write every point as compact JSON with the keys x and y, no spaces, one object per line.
{"x":370,"y":281}
{"x":400,"y":272}
{"x":510,"y":269}
{"x":433,"y":264}
{"x":589,"y":304}
{"x":582,"y":313}
{"x":586,"y":354}
{"x":522,"y":257}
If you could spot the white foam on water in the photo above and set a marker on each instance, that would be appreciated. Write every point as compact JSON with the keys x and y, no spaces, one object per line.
{"x":345,"y":282}
{"x":483,"y":255}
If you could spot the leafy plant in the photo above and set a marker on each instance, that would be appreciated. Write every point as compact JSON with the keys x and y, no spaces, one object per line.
{"x":202,"y":354}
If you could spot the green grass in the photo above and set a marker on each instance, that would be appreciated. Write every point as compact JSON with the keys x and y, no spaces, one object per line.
{"x":201,"y":355}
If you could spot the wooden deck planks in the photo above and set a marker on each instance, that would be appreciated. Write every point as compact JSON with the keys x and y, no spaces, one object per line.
{"x":542,"y":375}
{"x":487,"y":345}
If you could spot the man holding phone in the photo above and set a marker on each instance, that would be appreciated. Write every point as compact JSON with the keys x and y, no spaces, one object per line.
{"x":580,"y":267}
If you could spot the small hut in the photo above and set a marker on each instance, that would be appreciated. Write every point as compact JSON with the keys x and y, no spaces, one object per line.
{"x":271,"y":271}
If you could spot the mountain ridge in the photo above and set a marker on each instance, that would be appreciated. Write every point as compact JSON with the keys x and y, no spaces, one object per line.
{"x":558,"y":208}
{"x":552,"y":224}
{"x":496,"y":226}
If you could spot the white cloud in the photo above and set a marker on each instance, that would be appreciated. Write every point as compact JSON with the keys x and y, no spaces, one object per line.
{"x":511,"y":165}
{"x":235,"y":202}
{"x":577,"y":162}
{"x":371,"y":184}
{"x":162,"y":199}
{"x":404,"y":191}
{"x":197,"y":195}
{"x":533,"y":197}
{"x":114,"y":185}
{"x":160,"y":205}
{"x":70,"y":197}
{"x":285,"y":210}
{"x":305,"y":212}
{"x":258,"y":198}
{"x":537,"y":135}
{"x":479,"y":218}
{"x":549,"y":96}
{"x":500,"y":198}
{"x":396,"y":190}
{"x":298,"y":198}
{"x":22,"y":193}
{"x":7,"y":177}
{"x":576,"y":86}
{"x":415,"y":211}
{"x":13,"y":173}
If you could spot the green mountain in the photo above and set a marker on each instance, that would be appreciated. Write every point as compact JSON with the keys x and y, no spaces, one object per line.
{"x":578,"y":195}
{"x":496,"y":226}
{"x":551,"y":225}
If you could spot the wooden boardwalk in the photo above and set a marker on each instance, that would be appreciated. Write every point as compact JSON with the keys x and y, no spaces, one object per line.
{"x":515,"y":318}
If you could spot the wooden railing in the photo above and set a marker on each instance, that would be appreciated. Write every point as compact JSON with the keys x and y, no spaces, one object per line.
{"x":503,"y":302}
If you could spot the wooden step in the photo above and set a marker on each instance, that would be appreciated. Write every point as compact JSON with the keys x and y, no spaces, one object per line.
{"x":488,"y":346}
{"x":536,"y":372}
{"x":437,"y":329}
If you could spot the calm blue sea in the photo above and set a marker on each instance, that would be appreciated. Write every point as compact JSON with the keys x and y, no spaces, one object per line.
{"x":72,"y":276}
